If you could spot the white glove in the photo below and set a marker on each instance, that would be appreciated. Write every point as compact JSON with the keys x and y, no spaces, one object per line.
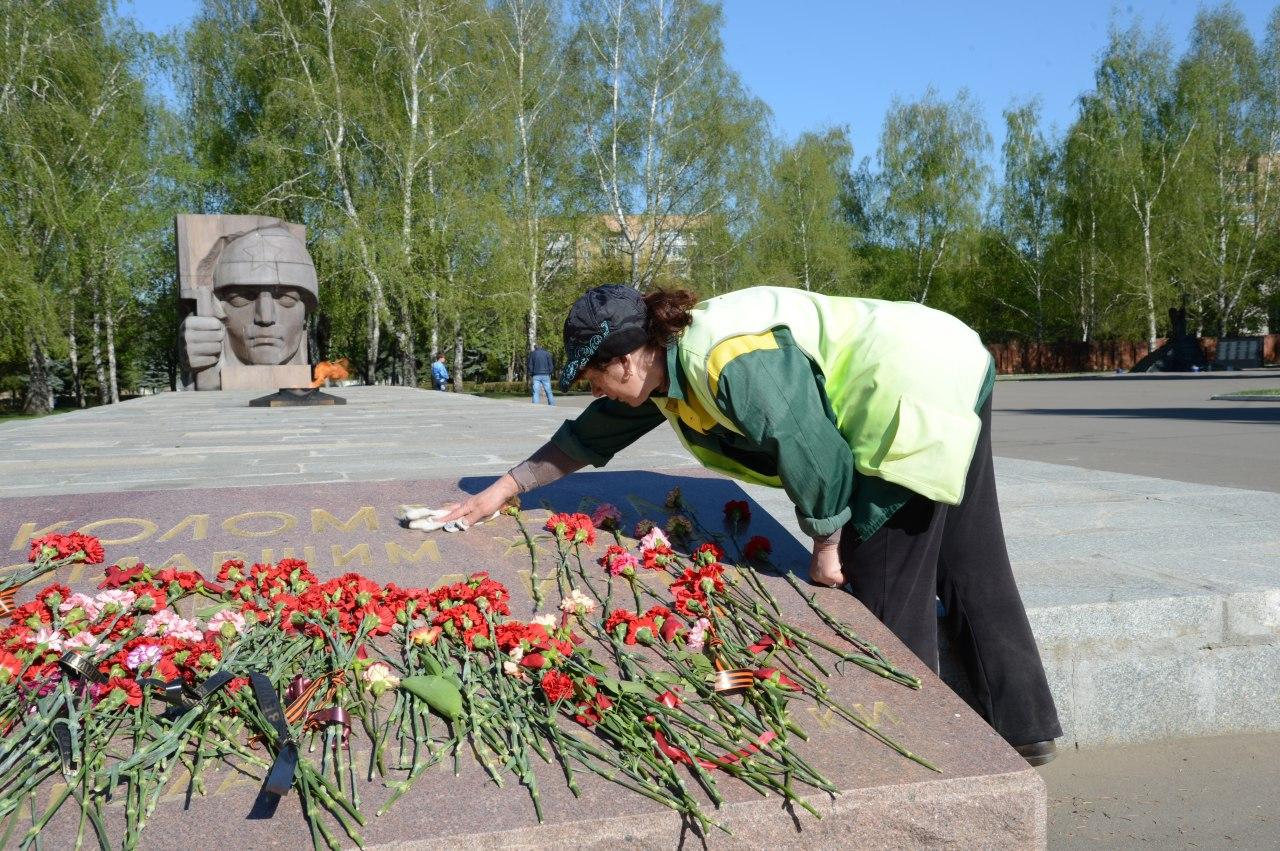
{"x":428,"y":519}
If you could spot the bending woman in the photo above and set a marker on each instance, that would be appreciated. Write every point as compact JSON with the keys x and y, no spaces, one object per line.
{"x":874,"y":416}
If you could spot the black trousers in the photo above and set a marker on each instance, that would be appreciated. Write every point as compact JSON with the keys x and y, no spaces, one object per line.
{"x":958,"y":554}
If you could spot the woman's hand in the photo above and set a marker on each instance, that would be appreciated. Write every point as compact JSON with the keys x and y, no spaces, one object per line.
{"x":483,"y":505}
{"x":824,"y":566}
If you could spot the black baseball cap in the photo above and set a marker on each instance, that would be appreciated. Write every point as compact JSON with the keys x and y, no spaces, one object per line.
{"x":605,"y":323}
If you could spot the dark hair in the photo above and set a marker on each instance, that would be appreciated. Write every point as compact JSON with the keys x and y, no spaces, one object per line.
{"x":668,"y":314}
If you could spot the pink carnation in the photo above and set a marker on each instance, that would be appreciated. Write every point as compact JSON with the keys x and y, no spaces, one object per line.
{"x":619,"y":562}
{"x":116,"y":597}
{"x":697,"y":635}
{"x":80,"y":601}
{"x":51,"y":639}
{"x":83,"y":640}
{"x":656,"y":538}
{"x":226,"y":617}
{"x":143,"y":656}
{"x":170,"y":623}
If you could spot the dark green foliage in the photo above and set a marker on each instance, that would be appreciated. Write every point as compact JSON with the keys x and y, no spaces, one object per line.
{"x":466,"y":168}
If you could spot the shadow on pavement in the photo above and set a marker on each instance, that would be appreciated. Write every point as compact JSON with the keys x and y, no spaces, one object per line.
{"x":1239,"y":414}
{"x":640,"y":495}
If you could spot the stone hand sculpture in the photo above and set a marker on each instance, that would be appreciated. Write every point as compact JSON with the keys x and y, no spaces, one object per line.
{"x":250,"y":308}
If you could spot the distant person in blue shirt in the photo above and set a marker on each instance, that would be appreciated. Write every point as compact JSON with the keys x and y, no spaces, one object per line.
{"x":439,"y":373}
{"x":540,"y":369}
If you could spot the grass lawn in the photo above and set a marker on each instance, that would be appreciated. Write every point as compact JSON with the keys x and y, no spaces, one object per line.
{"x":1275,"y":391}
{"x":7,"y":416}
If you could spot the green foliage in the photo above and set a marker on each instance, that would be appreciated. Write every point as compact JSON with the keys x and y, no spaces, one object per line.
{"x":466,"y":168}
{"x":800,"y":238}
{"x":931,"y":165}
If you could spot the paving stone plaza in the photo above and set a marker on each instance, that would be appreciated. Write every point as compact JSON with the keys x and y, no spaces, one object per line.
{"x":1155,"y":602}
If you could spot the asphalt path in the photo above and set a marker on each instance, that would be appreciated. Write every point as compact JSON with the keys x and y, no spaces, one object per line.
{"x":1162,"y":425}
{"x":1213,"y":792}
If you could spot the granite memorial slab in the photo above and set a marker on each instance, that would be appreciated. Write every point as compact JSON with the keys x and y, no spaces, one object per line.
{"x":984,"y":796}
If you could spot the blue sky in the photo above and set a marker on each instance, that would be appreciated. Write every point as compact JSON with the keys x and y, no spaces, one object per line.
{"x":822,"y":62}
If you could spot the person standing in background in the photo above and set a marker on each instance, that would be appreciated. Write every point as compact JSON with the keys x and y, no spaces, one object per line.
{"x":540,"y":368}
{"x":439,"y":373}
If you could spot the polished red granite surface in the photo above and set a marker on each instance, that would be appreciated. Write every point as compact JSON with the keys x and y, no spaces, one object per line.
{"x":343,"y":527}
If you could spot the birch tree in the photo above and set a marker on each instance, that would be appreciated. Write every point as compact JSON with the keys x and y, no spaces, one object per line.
{"x":1087,"y":207}
{"x":76,"y":180}
{"x":1144,"y":141}
{"x":1229,"y":201}
{"x":801,"y":238}
{"x":1029,"y":198}
{"x":668,"y":127}
{"x":930,"y":160}
{"x":532,"y":41}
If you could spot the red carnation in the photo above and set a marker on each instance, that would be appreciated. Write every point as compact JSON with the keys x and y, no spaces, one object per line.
{"x":10,"y":666}
{"x":618,"y":617}
{"x":737,"y":511}
{"x":590,"y":711}
{"x":77,"y":545}
{"x":132,"y":691}
{"x":557,"y":686}
{"x":117,"y":576}
{"x":657,"y":558}
{"x":775,"y":677}
{"x":757,"y":549}
{"x":707,"y":553}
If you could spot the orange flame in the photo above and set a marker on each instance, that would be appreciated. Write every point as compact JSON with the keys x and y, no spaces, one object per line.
{"x":338,"y":370}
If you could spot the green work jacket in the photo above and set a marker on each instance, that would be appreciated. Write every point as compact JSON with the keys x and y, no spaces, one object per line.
{"x":851,"y":405}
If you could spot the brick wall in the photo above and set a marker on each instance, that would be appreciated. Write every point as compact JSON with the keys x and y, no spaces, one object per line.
{"x":1096,"y":356}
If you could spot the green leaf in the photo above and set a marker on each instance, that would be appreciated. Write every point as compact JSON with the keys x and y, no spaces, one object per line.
{"x":444,"y":698}
{"x":432,"y":665}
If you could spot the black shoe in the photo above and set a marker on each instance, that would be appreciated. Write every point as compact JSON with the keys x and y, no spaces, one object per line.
{"x":1038,"y":753}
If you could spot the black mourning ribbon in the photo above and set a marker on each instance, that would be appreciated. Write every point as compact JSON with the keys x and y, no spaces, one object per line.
{"x":84,"y":668}
{"x":182,"y":698}
{"x":280,"y":777}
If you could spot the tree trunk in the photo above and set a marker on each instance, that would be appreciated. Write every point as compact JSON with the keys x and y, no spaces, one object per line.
{"x":1147,"y":284}
{"x":39,"y":398}
{"x":408,"y":357}
{"x":104,"y":396}
{"x":73,"y":352}
{"x":533,"y":310}
{"x":374,"y":331}
{"x":111,"y":354}
{"x":457,"y":356}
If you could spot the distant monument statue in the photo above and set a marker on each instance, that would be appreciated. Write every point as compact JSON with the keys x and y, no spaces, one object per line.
{"x":1181,"y":351}
{"x":246,"y":285}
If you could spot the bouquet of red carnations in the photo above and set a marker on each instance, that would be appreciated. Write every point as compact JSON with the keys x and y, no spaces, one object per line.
{"x":162,"y":671}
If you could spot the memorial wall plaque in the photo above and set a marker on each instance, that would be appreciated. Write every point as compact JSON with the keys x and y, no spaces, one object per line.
{"x":1238,"y":353}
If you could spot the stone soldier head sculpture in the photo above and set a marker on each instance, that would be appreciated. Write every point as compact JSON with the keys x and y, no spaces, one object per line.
{"x":253,"y":285}
{"x":266,"y":284}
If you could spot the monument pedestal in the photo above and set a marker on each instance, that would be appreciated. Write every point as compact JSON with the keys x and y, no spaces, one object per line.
{"x":985,"y":796}
{"x":240,"y":377}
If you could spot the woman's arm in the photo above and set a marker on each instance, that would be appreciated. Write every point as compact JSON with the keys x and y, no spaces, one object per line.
{"x":599,"y":432}
{"x":775,"y":395}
